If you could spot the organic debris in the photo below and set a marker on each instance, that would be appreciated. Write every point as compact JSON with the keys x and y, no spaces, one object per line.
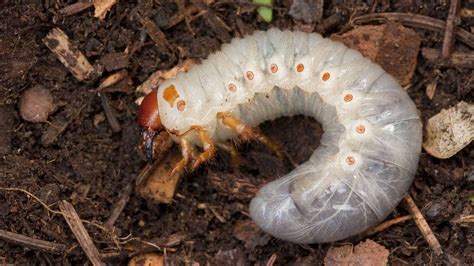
{"x":364,"y":253}
{"x":450,"y":131}
{"x":391,"y":45}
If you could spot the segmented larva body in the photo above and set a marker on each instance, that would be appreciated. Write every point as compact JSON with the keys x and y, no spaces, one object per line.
{"x":372,"y":134}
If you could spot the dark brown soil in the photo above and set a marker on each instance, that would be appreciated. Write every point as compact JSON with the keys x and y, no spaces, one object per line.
{"x":90,"y":165}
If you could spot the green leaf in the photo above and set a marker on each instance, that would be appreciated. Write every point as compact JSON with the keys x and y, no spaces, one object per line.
{"x":265,"y":11}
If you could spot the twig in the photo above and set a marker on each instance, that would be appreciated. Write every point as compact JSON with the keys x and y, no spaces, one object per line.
{"x":272,"y":260}
{"x":33,"y":243}
{"x":52,"y":133}
{"x":417,"y":21}
{"x":381,"y":227}
{"x":78,"y":229}
{"x":74,"y":8}
{"x":448,"y":39}
{"x":155,"y":33}
{"x":110,"y":113}
{"x":119,"y":206}
{"x":423,"y":225}
{"x":179,"y":17}
{"x":457,"y":59}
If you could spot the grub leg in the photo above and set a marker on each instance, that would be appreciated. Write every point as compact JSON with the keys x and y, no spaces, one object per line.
{"x":208,"y":147}
{"x":234,"y":154}
{"x":186,"y":151}
{"x":248,"y":133}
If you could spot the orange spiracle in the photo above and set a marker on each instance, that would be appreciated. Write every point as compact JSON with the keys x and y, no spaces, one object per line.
{"x":326,"y":76}
{"x":300,"y":68}
{"x":348,"y":97}
{"x":350,"y":160}
{"x":273,"y":68}
{"x":232,"y":87}
{"x":249,"y":75}
{"x":180,"y":105}
{"x":360,"y":129}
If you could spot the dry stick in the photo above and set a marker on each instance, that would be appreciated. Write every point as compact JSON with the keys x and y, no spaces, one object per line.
{"x":448,"y":39}
{"x":74,"y":8}
{"x":417,"y":21}
{"x":381,"y":227}
{"x":272,"y":260}
{"x":457,"y":59}
{"x":110,"y":113}
{"x":33,"y":243}
{"x":118,"y":208}
{"x":423,"y":225}
{"x":176,"y":19}
{"x":78,"y":229}
{"x":155,"y":33}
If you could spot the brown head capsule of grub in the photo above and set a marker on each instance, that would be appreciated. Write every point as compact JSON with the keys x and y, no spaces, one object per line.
{"x":154,"y":136}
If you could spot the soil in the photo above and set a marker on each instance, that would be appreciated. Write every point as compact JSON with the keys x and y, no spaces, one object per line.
{"x":90,"y":164}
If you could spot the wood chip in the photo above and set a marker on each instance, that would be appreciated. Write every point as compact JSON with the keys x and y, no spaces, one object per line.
{"x":149,"y":259}
{"x":450,"y":131}
{"x":159,"y":185}
{"x":391,"y":45}
{"x":102,"y":7}
{"x":365,"y":253}
{"x":79,"y":231}
{"x":425,"y":229}
{"x":58,"y":42}
{"x":431,"y":88}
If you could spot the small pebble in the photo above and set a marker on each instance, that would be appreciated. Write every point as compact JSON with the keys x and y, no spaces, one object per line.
{"x":36,"y":104}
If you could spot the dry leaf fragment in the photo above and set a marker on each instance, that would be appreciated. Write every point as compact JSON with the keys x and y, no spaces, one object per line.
{"x":160,"y":76}
{"x":450,"y":131}
{"x":365,"y":253}
{"x":102,"y":7}
{"x":391,"y":45}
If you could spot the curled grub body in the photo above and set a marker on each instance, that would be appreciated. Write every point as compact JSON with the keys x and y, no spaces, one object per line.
{"x":372,"y":134}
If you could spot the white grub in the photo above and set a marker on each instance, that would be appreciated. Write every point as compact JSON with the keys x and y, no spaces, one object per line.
{"x":372,"y":133}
